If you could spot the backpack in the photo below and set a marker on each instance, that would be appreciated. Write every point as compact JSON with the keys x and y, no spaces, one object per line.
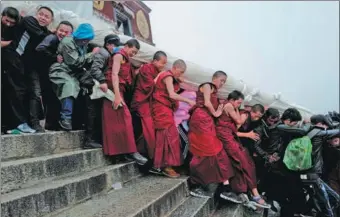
{"x":298,"y":155}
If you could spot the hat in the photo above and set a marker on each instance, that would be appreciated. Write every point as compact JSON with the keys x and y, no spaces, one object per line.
{"x":84,"y":32}
{"x":112,"y":39}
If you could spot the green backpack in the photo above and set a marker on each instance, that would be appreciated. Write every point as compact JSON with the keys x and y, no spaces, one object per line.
{"x":298,"y":155}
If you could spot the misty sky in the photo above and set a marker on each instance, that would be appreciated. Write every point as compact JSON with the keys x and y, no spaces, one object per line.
{"x":288,"y":47}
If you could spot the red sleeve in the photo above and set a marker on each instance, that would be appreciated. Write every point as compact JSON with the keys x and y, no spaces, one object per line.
{"x":146,"y":79}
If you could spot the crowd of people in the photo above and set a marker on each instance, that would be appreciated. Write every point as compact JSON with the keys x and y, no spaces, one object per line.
{"x":254,"y":154}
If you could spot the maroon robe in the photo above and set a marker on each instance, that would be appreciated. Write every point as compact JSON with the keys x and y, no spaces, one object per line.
{"x":167,"y":151}
{"x":118,"y":137}
{"x":210,"y":163}
{"x":244,"y":168}
{"x":141,"y":105}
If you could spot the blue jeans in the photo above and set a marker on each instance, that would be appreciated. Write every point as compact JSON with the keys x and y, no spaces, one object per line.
{"x":66,"y":108}
{"x":325,"y":198}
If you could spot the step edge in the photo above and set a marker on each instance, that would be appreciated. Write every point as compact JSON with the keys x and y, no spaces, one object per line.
{"x":46,"y":157}
{"x":61,"y":182}
{"x":40,"y":134}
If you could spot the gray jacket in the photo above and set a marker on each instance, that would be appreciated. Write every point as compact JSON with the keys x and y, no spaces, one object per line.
{"x":100,"y":65}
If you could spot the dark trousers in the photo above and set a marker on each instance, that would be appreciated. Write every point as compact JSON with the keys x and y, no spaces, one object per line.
{"x":14,"y":88}
{"x":51,"y":104}
{"x":93,"y":126}
{"x":292,"y":196}
{"x":52,"y":107}
{"x":34,"y":103}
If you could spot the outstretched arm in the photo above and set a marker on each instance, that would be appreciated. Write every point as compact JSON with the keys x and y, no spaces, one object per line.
{"x":173,"y":95}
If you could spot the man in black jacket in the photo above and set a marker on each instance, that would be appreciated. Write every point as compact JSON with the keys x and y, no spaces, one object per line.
{"x":324,"y":196}
{"x":269,"y":151}
{"x":18,"y":64}
{"x":47,"y":55}
{"x":269,"y":146}
{"x":98,"y":69}
{"x":9,"y":20}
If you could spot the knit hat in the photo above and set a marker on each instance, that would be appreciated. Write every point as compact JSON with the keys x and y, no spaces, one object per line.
{"x":84,"y":31}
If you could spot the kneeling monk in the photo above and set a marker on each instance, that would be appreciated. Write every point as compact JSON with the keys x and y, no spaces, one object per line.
{"x":118,"y":137}
{"x":141,"y":103}
{"x":164,"y":103}
{"x":226,"y":128}
{"x":210,"y":163}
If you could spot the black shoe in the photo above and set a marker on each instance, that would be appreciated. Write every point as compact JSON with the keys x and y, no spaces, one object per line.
{"x":38,"y":128}
{"x":156,"y":171}
{"x":138,"y":158}
{"x":231,"y":196}
{"x":66,"y":124}
{"x":90,"y":144}
{"x":199,"y":192}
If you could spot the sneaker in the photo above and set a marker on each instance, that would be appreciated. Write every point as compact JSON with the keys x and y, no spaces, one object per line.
{"x":199,"y":192}
{"x":66,"y":124}
{"x":25,"y":128}
{"x":138,"y":158}
{"x":256,"y":202}
{"x":90,"y":144}
{"x":171,"y":173}
{"x":38,"y":128}
{"x":13,"y":132}
{"x":230,"y":196}
{"x":156,"y":171}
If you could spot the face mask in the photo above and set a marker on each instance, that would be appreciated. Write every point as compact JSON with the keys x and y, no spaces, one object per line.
{"x":115,"y":50}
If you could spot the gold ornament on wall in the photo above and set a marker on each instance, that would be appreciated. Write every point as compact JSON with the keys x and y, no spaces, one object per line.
{"x":142,"y":24}
{"x":99,"y":5}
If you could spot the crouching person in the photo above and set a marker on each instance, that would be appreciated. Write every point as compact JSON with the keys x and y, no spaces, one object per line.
{"x":94,"y":107}
{"x":71,"y":77}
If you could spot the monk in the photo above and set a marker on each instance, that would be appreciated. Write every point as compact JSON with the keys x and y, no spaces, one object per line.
{"x":210,"y":163}
{"x":164,"y":103}
{"x":141,"y":103}
{"x":244,"y":169}
{"x":118,"y":135}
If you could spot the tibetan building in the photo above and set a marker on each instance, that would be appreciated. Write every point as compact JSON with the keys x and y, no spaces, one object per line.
{"x":129,"y":17}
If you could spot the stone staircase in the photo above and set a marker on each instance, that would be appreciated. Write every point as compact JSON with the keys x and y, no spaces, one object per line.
{"x":50,"y":175}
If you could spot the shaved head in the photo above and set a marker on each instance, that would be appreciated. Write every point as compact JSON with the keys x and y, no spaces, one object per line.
{"x":180,"y":64}
{"x":158,"y":55}
{"x":219,"y":73}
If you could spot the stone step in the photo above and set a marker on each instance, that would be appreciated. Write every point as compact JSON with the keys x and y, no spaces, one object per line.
{"x":149,"y":196}
{"x":39,"y":144}
{"x":27,"y":172}
{"x":47,"y":197}
{"x":194,"y":207}
{"x":226,"y":208}
{"x":251,"y":213}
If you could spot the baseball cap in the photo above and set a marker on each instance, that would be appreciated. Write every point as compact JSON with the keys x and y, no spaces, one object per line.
{"x":113,"y":39}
